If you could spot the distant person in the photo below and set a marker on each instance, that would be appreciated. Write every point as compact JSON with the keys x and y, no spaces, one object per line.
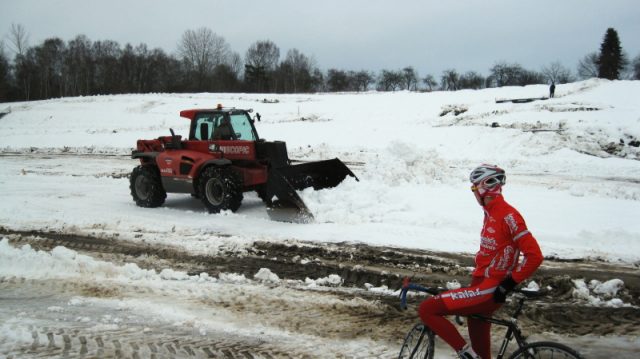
{"x":497,"y":272}
{"x":552,"y":89}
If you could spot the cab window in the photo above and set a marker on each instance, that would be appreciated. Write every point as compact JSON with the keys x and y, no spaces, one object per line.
{"x":207,"y":120}
{"x":242,"y":126}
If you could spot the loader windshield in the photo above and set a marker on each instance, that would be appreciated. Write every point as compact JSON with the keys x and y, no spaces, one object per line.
{"x":242,"y":126}
{"x":223,"y":126}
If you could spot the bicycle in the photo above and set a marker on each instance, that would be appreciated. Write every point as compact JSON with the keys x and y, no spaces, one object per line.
{"x":419,"y":342}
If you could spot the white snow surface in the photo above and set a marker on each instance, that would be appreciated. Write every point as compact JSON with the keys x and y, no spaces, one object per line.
{"x":412,"y":162}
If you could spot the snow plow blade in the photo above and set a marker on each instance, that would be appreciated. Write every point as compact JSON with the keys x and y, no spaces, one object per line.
{"x":284,"y":181}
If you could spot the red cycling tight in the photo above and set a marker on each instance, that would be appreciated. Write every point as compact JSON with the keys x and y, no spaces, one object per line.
{"x":475,"y":299}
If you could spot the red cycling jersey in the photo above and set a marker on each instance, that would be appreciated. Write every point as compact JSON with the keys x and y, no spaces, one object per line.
{"x":504,"y":236}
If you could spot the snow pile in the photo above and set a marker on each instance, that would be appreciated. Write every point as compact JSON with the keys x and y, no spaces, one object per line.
{"x":599,"y":294}
{"x":532,"y":286}
{"x":332,"y":280}
{"x":265,"y":275}
{"x":233,"y":278}
{"x":383,"y":290}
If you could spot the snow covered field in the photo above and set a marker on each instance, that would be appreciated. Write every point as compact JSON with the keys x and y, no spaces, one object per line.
{"x":578,"y":200}
{"x":572,"y":162}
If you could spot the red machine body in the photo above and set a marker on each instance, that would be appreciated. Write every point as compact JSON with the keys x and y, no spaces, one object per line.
{"x":222,"y":158}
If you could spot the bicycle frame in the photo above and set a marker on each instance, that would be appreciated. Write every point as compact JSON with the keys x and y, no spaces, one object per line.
{"x":513,"y":331}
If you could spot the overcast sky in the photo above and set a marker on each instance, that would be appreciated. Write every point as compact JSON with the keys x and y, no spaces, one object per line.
{"x":372,"y":35}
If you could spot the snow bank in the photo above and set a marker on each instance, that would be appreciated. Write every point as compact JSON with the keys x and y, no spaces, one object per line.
{"x":64,"y":263}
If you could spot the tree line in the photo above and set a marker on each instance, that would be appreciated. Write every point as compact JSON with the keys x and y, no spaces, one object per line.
{"x":205,"y":62}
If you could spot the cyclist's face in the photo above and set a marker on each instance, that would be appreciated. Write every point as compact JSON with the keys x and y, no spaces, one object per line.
{"x":478,"y":192}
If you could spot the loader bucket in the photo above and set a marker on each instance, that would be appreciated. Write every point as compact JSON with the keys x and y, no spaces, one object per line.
{"x":319,"y":175}
{"x":284,"y":181}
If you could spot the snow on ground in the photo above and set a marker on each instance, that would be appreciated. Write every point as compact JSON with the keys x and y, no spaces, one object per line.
{"x":576,"y":183}
{"x":173,"y":297}
{"x":572,"y":162}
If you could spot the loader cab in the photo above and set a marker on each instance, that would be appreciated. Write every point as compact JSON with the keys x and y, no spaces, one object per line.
{"x":235,"y":125}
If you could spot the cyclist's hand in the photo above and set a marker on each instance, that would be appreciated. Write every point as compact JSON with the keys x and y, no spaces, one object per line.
{"x":504,"y":288}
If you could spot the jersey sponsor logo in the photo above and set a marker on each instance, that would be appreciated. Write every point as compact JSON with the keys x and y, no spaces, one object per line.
{"x":488,"y":243}
{"x":235,"y":150}
{"x":166,"y":170}
{"x":511,"y":222}
{"x":506,"y":259}
{"x":465,"y":294}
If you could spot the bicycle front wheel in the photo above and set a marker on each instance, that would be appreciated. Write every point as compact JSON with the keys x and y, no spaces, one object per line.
{"x":418,"y":344}
{"x":545,"y":350}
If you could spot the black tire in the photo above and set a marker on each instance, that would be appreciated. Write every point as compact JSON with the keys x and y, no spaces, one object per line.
{"x":220,"y":189}
{"x":545,"y":350}
{"x":418,"y":344}
{"x":146,"y":187}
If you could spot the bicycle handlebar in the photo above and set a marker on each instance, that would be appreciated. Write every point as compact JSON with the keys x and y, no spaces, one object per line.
{"x":406,"y":286}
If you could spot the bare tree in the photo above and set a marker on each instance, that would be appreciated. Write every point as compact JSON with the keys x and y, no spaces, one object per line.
{"x":337,"y":80}
{"x":235,"y":63}
{"x":430,"y":82}
{"x":50,"y":74}
{"x":506,"y":74}
{"x":260,"y":63}
{"x":18,"y":39}
{"x":390,"y":80}
{"x":588,"y":66}
{"x":557,"y":73}
{"x":201,"y":51}
{"x":18,"y":44}
{"x":471,"y":80}
{"x":263,"y":54}
{"x":449,"y":80}
{"x":297,"y":68}
{"x":362,"y":80}
{"x":106,"y":56}
{"x":410,"y":77}
{"x":79,"y":66}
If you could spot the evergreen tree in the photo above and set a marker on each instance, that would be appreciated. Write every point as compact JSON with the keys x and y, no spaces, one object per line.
{"x":611,"y":60}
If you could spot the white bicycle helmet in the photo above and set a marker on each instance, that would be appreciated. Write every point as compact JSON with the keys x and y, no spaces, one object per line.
{"x":487,"y":180}
{"x":488,"y":176}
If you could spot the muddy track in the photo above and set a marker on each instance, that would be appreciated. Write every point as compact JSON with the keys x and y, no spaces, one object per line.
{"x":359,"y":264}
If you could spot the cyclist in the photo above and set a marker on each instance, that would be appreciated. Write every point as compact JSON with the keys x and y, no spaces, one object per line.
{"x":498,"y":270}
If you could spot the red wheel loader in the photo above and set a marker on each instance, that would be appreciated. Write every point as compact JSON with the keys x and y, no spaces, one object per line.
{"x":222,"y":158}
